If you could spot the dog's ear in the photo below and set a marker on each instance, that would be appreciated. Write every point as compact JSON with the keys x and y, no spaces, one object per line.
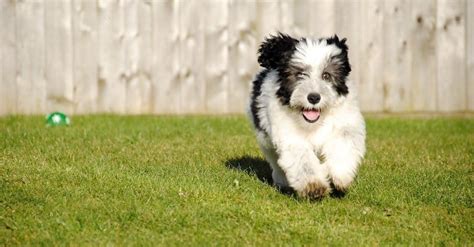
{"x":276,"y":50}
{"x":341,"y":68}
{"x":341,"y":44}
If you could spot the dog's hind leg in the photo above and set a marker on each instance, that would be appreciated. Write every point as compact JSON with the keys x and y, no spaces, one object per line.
{"x":278,"y":176}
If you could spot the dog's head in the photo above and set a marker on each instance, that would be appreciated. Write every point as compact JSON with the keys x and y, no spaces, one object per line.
{"x":312,"y":72}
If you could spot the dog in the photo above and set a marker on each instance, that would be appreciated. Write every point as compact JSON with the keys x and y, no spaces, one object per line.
{"x":305,"y":114}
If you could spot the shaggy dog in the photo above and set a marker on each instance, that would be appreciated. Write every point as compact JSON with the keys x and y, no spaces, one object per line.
{"x":306,"y":116}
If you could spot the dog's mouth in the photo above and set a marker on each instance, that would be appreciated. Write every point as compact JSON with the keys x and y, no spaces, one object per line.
{"x":311,"y":115}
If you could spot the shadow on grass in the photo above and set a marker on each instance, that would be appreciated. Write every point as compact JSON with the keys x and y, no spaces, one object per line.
{"x":260,"y":169}
{"x":256,"y":167}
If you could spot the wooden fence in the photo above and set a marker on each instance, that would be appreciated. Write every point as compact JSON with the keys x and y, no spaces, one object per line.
{"x":189,"y":56}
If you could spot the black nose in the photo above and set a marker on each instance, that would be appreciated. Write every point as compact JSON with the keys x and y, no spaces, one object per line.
{"x":314,"y":98}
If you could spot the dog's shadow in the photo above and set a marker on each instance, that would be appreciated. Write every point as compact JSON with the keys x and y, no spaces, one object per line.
{"x":253,"y":166}
{"x":256,"y":167}
{"x":259,"y":168}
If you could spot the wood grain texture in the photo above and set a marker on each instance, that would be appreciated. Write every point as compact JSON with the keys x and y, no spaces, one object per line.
{"x":30,"y":57}
{"x":295,"y":16}
{"x":470,"y":54}
{"x":166,"y":86}
{"x":422,"y":23}
{"x":85,"y":58}
{"x":396,"y":59}
{"x":451,"y":59}
{"x":59,"y":61}
{"x":287,"y":17}
{"x":8,"y":87}
{"x":322,"y":17}
{"x":146,"y":58}
{"x":111,"y":35}
{"x":216,"y":56}
{"x":243,"y":46}
{"x":268,"y":18}
{"x":371,"y":90}
{"x":137,"y":61}
{"x":347,"y":22}
{"x":192,"y":57}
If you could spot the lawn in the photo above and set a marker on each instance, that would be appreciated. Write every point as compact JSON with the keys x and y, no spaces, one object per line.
{"x":201,"y":180}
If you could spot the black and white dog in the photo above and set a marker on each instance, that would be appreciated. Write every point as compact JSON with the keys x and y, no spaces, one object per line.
{"x":306,"y":115}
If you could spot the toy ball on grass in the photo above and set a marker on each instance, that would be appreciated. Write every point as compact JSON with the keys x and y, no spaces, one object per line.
{"x":57,"y":119}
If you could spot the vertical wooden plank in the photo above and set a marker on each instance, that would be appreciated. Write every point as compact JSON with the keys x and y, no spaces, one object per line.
{"x":268,"y":18}
{"x":30,"y":54}
{"x":216,"y":55}
{"x":322,"y":15}
{"x":397,"y":59}
{"x":287,"y":18}
{"x":301,"y":18}
{"x":295,"y":18}
{"x":131,"y":45}
{"x":3,"y":85}
{"x":451,"y":55}
{"x":131,"y":57}
{"x":59,"y":56}
{"x":371,"y":63}
{"x":111,"y":84}
{"x":191,"y":56}
{"x":165,"y":77}
{"x":258,"y":19}
{"x":8,"y":90}
{"x":242,"y":64}
{"x":423,"y":52}
{"x":137,"y":46}
{"x":145,"y":30}
{"x":470,"y":54}
{"x":347,"y":26}
{"x":85,"y":59}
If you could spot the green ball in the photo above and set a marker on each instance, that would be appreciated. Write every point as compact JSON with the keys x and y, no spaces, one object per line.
{"x":57,"y":119}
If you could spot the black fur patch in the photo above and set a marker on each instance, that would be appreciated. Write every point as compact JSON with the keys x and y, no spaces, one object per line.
{"x":287,"y":78}
{"x":256,"y":92}
{"x":275,"y":53}
{"x":339,"y":67}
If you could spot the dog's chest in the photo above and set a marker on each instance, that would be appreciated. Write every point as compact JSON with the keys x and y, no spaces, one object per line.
{"x":320,"y":136}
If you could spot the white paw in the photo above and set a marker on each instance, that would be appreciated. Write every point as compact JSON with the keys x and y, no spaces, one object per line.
{"x":342,"y":182}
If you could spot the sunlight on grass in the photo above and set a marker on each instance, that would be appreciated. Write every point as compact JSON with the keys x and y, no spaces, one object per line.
{"x":202,"y":180}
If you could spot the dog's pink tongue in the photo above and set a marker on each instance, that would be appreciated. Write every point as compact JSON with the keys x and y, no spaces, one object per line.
{"x":311,"y":115}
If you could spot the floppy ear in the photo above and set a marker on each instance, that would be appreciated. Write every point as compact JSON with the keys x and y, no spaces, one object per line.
{"x":341,"y":44}
{"x":275,"y":51}
{"x":341,"y":66}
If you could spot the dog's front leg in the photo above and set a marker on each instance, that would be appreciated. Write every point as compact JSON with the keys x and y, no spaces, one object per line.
{"x":303,"y":170}
{"x":343,"y":155}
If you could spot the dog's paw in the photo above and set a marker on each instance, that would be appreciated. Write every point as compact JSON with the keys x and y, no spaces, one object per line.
{"x":314,"y":191}
{"x":341,"y":184}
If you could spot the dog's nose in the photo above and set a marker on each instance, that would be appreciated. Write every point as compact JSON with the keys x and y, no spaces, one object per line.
{"x":314,"y":98}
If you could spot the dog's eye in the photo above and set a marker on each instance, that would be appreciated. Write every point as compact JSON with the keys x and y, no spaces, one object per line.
{"x":301,"y":75}
{"x":326,"y":76}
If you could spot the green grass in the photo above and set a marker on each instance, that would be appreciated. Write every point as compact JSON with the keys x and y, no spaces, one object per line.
{"x":177,"y":181}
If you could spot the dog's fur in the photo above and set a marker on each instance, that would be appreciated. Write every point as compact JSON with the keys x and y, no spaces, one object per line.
{"x":312,"y":147}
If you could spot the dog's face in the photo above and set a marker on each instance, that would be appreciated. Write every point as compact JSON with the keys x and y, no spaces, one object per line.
{"x":312,"y":72}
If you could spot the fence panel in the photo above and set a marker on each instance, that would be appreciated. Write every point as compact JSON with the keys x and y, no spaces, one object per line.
{"x":177,"y":56}
{"x":451,"y":50}
{"x":8,"y":86}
